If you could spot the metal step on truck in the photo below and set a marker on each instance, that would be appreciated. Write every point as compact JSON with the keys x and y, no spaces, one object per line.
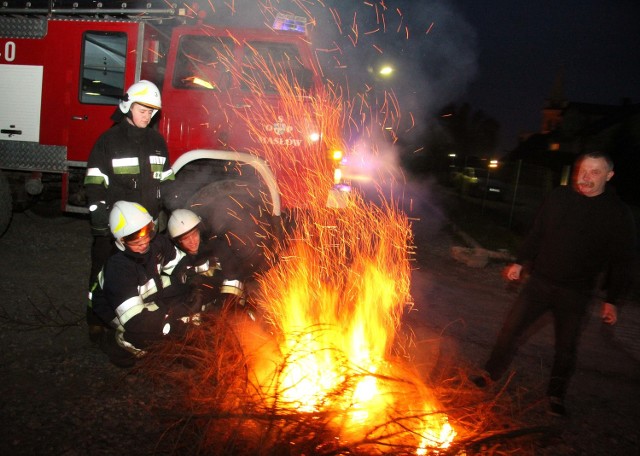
{"x":239,"y":106}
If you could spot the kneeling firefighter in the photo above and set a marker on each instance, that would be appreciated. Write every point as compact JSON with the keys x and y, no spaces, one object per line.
{"x":199,"y":269}
{"x":134,"y":296}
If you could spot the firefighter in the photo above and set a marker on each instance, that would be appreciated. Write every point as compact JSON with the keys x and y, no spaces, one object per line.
{"x":133,"y":295}
{"x":211,"y":285}
{"x":128,"y":162}
{"x":198,"y":270}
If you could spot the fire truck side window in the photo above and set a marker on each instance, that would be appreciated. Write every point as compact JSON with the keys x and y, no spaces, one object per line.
{"x":270,"y":68}
{"x":103,"y":64}
{"x":203,"y":63}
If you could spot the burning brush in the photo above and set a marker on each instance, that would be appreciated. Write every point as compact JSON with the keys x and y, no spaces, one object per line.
{"x":336,"y":299}
{"x":317,"y":374}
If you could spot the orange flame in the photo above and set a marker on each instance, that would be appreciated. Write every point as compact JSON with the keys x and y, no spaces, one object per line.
{"x":336,"y":298}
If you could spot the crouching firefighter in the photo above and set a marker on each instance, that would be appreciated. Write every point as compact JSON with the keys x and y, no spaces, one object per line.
{"x":133,"y":295}
{"x":199,"y":270}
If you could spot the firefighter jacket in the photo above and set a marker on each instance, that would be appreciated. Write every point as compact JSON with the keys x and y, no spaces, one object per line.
{"x":199,"y":276}
{"x":135,"y":296}
{"x":128,"y":163}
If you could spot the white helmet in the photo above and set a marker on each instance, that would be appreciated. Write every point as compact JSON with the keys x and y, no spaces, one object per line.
{"x":182,"y":221}
{"x":142,"y":92}
{"x":127,"y":218}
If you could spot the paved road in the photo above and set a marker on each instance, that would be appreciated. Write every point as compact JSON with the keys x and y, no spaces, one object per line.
{"x":457,"y":315}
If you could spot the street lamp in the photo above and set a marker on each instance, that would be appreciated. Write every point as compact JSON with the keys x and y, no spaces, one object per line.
{"x":385,"y":71}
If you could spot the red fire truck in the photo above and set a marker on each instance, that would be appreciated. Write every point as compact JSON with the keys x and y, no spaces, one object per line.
{"x":227,"y":122}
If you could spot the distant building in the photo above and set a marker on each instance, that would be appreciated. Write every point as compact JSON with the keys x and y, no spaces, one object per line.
{"x":554,"y":105}
{"x":570,"y":128}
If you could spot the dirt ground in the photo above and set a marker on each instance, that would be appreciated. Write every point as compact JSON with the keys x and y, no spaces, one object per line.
{"x":59,"y":395}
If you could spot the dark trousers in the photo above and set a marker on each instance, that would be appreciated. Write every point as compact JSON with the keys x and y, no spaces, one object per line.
{"x":101,"y":249}
{"x":568,"y":308}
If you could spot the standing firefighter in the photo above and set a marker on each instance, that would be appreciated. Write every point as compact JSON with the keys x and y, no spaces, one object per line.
{"x":134,"y":296}
{"x":128,"y":162}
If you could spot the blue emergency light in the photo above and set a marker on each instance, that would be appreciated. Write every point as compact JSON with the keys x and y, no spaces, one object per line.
{"x":290,"y":23}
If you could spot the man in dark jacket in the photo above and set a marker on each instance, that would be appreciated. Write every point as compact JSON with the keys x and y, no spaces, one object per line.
{"x":128,"y":162}
{"x":581,"y":234}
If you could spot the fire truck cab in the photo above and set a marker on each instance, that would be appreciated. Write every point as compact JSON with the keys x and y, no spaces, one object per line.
{"x":64,"y":69}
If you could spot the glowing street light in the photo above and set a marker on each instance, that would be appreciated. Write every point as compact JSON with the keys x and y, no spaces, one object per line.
{"x":385,"y":71}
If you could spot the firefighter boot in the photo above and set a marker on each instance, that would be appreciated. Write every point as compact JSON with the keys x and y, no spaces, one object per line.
{"x":96,"y":327}
{"x":117,"y":355}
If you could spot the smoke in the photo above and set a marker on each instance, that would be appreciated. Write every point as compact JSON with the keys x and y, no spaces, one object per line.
{"x":430,"y":47}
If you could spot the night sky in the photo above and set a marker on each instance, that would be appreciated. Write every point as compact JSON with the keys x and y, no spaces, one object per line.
{"x":523,"y":45}
{"x":501,"y":56}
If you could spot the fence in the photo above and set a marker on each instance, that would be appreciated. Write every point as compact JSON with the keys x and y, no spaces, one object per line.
{"x":510,"y":193}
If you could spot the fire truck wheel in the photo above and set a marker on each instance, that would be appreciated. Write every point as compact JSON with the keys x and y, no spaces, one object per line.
{"x":236,"y":213}
{"x":5,"y":204}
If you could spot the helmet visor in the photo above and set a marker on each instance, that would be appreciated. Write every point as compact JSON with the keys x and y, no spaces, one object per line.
{"x":143,"y":235}
{"x":148,"y":105}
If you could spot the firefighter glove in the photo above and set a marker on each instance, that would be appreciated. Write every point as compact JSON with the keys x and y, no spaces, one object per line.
{"x":99,"y":219}
{"x":196,"y":300}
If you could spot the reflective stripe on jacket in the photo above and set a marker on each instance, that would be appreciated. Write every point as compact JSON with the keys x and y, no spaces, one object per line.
{"x":128,"y":163}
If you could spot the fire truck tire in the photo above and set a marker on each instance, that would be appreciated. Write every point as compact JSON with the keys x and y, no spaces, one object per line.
{"x":6,"y":205}
{"x":236,"y":213}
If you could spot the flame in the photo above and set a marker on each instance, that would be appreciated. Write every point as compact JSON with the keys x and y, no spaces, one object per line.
{"x":336,"y":299}
{"x":338,"y":287}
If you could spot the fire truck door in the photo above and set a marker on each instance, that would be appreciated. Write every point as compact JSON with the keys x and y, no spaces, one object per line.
{"x":226,"y":93}
{"x":99,"y":86}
